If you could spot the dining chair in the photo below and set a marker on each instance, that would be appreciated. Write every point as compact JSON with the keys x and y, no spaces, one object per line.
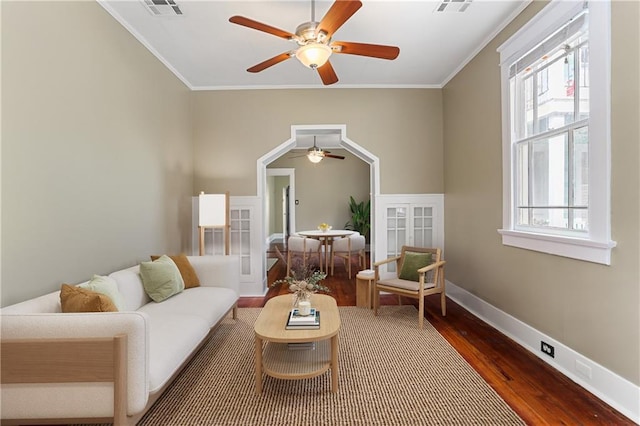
{"x":298,"y":246}
{"x":419,"y":273}
{"x":346,"y":248}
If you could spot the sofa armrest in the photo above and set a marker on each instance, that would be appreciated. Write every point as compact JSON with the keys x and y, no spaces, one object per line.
{"x":218,"y":271}
{"x":24,"y":401}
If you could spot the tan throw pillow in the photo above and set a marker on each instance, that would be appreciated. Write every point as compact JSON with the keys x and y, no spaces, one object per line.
{"x":186,"y":270}
{"x":161,"y":278}
{"x":76,"y":299}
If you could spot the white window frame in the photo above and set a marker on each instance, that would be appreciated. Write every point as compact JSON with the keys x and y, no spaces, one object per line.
{"x":596,"y":245}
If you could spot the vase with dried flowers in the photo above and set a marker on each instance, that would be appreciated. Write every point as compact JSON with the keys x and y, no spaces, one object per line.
{"x":303,"y":282}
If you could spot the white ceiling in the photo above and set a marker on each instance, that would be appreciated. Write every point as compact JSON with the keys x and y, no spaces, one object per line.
{"x":207,"y":52}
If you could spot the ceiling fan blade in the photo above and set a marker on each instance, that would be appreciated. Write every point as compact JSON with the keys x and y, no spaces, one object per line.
{"x":250,"y":23}
{"x":364,"y":49}
{"x":337,"y":15}
{"x":339,"y":157}
{"x":270,"y":62}
{"x":327,"y":74}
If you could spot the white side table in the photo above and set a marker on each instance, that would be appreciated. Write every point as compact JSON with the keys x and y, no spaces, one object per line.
{"x":364,"y":288}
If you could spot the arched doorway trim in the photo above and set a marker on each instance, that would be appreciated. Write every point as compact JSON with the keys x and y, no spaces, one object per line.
{"x":332,"y":132}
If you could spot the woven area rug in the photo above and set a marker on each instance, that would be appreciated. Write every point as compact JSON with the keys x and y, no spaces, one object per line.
{"x":391,"y":373}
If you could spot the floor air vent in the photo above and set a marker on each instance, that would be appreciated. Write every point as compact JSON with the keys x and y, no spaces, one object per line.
{"x":162,"y":7}
{"x":453,"y":5}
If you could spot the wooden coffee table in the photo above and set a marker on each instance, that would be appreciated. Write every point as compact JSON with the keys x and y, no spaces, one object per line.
{"x":272,"y":354}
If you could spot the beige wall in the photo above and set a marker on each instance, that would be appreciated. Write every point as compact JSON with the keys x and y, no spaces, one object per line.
{"x":96,"y":148}
{"x":280,"y":182}
{"x":273,"y":195}
{"x":593,"y":309}
{"x":323,"y":189}
{"x":402,"y":127}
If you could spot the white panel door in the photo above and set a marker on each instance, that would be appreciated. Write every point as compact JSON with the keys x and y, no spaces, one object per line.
{"x":413,"y":220}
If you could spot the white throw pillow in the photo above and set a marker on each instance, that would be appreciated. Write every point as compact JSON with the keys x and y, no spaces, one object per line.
{"x":106,"y":286}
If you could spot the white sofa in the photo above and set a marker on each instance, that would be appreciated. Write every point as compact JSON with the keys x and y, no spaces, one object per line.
{"x":160,"y":339}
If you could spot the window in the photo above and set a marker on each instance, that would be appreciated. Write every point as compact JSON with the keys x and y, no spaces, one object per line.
{"x":550,"y":132}
{"x":556,"y":132}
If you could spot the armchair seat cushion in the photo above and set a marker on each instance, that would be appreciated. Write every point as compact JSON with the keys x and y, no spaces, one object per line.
{"x":404,"y":284}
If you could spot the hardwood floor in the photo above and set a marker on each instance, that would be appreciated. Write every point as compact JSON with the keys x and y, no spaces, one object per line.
{"x":537,"y":392}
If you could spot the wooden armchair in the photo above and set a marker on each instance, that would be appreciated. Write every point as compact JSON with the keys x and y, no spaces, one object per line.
{"x":412,"y":279}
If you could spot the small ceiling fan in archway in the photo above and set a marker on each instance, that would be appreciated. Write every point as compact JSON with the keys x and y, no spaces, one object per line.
{"x":316,"y":154}
{"x":315,"y":45}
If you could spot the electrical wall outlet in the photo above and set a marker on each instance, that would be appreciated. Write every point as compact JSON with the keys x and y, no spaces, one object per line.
{"x":547,"y":349}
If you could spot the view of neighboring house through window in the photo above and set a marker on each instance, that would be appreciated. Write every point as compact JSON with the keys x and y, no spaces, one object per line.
{"x":550,"y":128}
{"x":556,"y":131}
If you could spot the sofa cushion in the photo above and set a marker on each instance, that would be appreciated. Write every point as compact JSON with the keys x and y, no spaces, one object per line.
{"x":208,"y":303}
{"x":77,"y":299}
{"x":172,"y":338}
{"x":218,"y":271}
{"x":189,"y":275}
{"x":161,"y":278}
{"x":106,"y":286}
{"x":131,"y":288}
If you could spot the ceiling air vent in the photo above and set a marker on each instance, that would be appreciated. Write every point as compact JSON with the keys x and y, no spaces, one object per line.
{"x":453,"y":5}
{"x":162,"y":7}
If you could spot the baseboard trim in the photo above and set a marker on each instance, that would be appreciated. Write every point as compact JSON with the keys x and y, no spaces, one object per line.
{"x":614,"y":390}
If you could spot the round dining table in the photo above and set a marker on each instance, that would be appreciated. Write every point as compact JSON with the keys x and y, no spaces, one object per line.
{"x":326,"y":238}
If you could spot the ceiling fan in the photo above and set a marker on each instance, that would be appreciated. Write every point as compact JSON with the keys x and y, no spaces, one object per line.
{"x":314,"y":41}
{"x":315,"y":154}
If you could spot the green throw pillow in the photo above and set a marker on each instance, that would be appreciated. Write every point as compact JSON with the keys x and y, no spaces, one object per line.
{"x":412,"y":262}
{"x":161,"y":278}
{"x":106,"y":286}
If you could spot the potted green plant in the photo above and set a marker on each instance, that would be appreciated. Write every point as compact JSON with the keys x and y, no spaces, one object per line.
{"x":360,"y":216}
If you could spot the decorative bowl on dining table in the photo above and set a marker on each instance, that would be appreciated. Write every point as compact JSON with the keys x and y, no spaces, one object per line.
{"x":324,"y":227}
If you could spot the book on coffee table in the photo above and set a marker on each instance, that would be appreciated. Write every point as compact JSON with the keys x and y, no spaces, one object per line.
{"x":302,"y":322}
{"x":307,"y":346}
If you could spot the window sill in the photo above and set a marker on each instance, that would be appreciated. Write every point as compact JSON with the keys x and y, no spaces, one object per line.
{"x":575,"y":248}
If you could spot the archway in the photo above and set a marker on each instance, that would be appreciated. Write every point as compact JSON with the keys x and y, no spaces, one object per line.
{"x":338,"y":133}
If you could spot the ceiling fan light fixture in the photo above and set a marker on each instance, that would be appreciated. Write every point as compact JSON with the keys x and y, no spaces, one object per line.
{"x":315,"y":156}
{"x":313,"y":55}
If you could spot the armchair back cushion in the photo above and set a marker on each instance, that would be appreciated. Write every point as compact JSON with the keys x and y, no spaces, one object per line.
{"x":411,"y":263}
